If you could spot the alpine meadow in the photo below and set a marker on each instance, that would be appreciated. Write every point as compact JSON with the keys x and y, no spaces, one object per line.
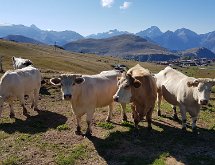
{"x":47,"y":136}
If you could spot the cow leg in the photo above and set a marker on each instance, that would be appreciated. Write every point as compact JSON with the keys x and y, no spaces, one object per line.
{"x":184,"y":118}
{"x":12,"y":114}
{"x":194,"y":119}
{"x":78,"y":129}
{"x":175,"y":116}
{"x":36,"y":98}
{"x":110,"y":112}
{"x":149,"y":118}
{"x":22,"y":101}
{"x":89,"y":122}
{"x":135,"y":116}
{"x":1,"y":108}
{"x":31,"y":100}
{"x":159,"y":98}
{"x":123,"y":112}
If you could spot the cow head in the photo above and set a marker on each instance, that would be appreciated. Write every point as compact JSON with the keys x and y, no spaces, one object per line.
{"x":67,"y":83}
{"x":202,"y":89}
{"x":125,"y":85}
{"x":19,"y":63}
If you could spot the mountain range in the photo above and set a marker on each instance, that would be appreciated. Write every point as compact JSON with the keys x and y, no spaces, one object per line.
{"x":43,"y":36}
{"x":181,"y":39}
{"x":144,"y":45}
{"x":130,"y":46}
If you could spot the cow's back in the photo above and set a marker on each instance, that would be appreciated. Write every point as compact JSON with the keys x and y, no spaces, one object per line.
{"x":21,"y":80}
{"x":173,"y":84}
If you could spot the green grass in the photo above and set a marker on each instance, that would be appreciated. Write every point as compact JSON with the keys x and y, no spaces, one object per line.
{"x":46,"y":136}
{"x":161,"y":160}
{"x":77,"y":153}
{"x":11,"y":160}
{"x":3,"y":135}
{"x":105,"y":125}
{"x":127,"y":124}
{"x":63,"y":127}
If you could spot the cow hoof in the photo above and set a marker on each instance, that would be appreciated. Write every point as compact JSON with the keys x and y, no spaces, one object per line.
{"x":36,"y":109}
{"x":12,"y":115}
{"x":107,"y":120}
{"x":159,"y":113}
{"x":175,"y":117}
{"x":88,"y":134}
{"x":194,"y":130}
{"x":125,"y":118}
{"x":26,"y":114}
{"x":78,"y":132}
{"x":184,"y":129}
{"x":150,"y":128}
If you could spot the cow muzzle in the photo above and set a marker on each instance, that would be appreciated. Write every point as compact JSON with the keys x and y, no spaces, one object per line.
{"x":116,"y":98}
{"x":67,"y":97}
{"x":203,"y":102}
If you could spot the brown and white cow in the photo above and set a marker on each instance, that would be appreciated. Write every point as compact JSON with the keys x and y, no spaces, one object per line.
{"x":138,"y":87}
{"x":17,"y":84}
{"x":87,"y":92}
{"x":188,"y":93}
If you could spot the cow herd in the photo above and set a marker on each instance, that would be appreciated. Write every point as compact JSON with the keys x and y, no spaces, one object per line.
{"x":137,"y":86}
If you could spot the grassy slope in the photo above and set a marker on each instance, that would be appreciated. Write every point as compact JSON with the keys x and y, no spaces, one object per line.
{"x":47,"y":136}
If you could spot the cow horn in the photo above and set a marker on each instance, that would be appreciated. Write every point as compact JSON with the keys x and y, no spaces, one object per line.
{"x":193,"y":83}
{"x":55,"y":81}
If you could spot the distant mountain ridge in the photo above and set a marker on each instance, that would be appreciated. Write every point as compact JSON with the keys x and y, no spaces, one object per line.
{"x":179,"y":40}
{"x":44,"y":36}
{"x":22,"y":39}
{"x":110,"y":33}
{"x":130,"y":46}
{"x":198,"y":53}
{"x":126,"y":46}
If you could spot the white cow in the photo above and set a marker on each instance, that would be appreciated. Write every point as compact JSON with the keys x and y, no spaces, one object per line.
{"x":17,"y":84}
{"x":19,"y":63}
{"x":88,"y":92}
{"x":188,"y":93}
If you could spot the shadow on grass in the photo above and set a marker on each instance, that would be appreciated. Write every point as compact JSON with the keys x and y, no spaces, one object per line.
{"x":35,"y":124}
{"x":149,"y":147}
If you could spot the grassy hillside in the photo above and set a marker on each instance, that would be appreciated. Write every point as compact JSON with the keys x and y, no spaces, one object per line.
{"x":47,"y":136}
{"x":45,"y":57}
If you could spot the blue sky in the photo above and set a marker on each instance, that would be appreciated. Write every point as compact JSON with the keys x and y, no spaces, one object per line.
{"x":94,"y":16}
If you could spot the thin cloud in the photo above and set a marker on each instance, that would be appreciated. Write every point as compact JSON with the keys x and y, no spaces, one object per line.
{"x":107,"y":3}
{"x":125,"y":5}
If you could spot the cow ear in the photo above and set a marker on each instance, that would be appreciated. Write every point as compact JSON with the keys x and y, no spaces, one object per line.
{"x":136,"y":83}
{"x":13,"y":59}
{"x":79,"y":80}
{"x":118,"y":78}
{"x":55,"y":81}
{"x":194,"y":83}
